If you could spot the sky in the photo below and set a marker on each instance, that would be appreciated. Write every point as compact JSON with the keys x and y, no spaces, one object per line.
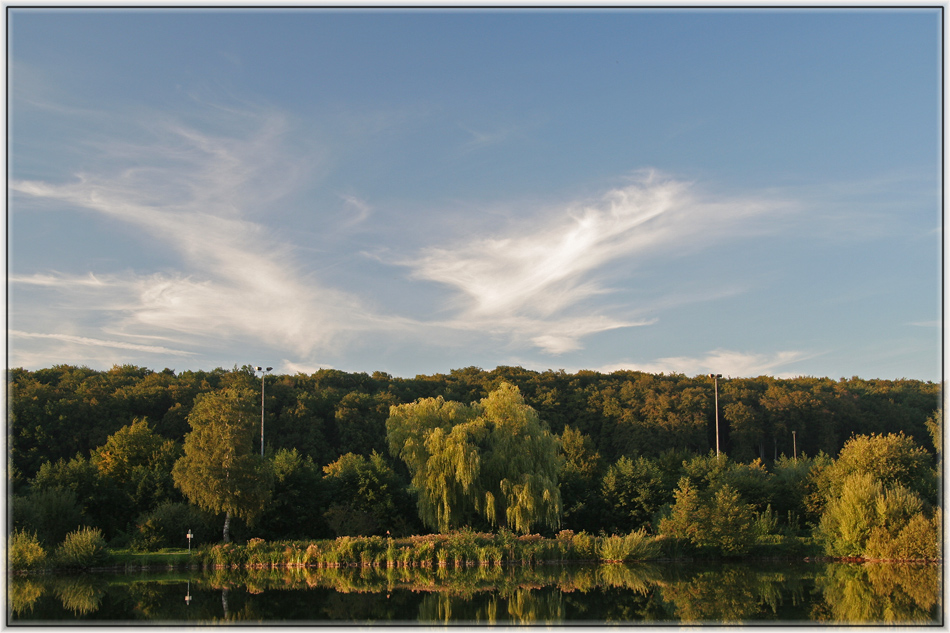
{"x":746,"y":191}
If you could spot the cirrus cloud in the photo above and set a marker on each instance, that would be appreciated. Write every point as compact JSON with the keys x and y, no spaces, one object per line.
{"x":541,"y":278}
{"x":729,"y":363}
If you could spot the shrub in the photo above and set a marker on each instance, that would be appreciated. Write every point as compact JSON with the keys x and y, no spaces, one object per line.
{"x":167,"y":525}
{"x":918,"y":538}
{"x":584,"y":545}
{"x":766,"y":523}
{"x":83,"y":548}
{"x":731,"y":527}
{"x":51,"y":514}
{"x":723,"y":524}
{"x":634,"y":546}
{"x":872,"y":520}
{"x":25,"y":551}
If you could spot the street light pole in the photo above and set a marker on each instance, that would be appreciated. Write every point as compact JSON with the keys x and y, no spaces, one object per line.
{"x":716,"y":378}
{"x":263,"y":373}
{"x":794,"y":446}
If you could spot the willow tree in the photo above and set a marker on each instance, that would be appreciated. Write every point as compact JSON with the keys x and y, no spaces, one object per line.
{"x":220,"y":471}
{"x":493,"y":459}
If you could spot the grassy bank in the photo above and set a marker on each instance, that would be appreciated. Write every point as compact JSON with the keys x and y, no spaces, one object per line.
{"x":462,"y":548}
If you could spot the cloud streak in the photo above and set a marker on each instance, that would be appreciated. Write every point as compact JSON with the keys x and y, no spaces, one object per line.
{"x":195,"y":192}
{"x":729,"y":363}
{"x":540,"y":281}
{"x":85,"y":340}
{"x":540,"y":278}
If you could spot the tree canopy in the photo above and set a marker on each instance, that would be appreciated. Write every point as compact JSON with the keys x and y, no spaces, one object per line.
{"x":220,"y":471}
{"x":493,"y":460}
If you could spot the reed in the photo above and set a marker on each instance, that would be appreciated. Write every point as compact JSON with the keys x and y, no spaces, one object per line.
{"x":634,"y":546}
{"x":464,"y":548}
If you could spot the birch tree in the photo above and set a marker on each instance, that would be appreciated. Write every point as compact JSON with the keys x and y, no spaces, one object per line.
{"x":494,"y":460}
{"x":220,"y":471}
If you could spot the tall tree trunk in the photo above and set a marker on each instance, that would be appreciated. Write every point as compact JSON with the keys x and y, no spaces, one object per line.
{"x":227,"y":527}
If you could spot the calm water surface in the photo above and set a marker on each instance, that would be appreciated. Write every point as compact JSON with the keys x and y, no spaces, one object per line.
{"x":767,"y":592}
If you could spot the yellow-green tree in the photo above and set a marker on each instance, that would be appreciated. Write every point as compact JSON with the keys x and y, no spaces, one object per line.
{"x":879,"y":498}
{"x":220,"y":471}
{"x":492,"y":460}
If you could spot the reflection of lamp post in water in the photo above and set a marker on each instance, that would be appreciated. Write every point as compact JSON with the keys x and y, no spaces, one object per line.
{"x":188,"y":595}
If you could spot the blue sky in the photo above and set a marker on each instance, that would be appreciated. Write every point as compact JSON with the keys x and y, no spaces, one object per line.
{"x":745,"y":191}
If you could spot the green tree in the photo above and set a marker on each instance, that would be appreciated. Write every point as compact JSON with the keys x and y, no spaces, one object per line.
{"x":579,"y":478}
{"x":299,"y":495}
{"x":730,"y":523}
{"x":892,"y":459}
{"x":935,"y":428}
{"x":50,"y":514}
{"x":878,"y":499}
{"x":220,"y":470}
{"x":493,"y":460}
{"x":718,"y":521}
{"x":632,"y":492}
{"x":366,"y":497}
{"x":98,"y":496}
{"x":140,"y":462}
{"x":685,"y":519}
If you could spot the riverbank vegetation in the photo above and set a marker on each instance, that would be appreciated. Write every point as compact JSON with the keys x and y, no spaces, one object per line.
{"x":353,"y":465}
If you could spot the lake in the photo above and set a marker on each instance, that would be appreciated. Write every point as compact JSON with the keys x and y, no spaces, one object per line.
{"x":663,"y":593}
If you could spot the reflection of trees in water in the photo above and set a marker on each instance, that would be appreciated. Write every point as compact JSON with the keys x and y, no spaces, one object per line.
{"x":523,"y":606}
{"x":734,"y":594}
{"x":713,"y":597}
{"x":885,"y":593}
{"x":868,"y":593}
{"x":535,"y":606}
{"x":22,"y":594}
{"x":79,"y":595}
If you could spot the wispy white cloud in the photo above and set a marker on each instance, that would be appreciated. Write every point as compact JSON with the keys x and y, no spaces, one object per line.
{"x":360,"y":207}
{"x":729,"y":363}
{"x":198,"y":193}
{"x":541,"y":281}
{"x":481,"y":139}
{"x":95,"y":342}
{"x":58,"y":280}
{"x":539,"y":278}
{"x":291,"y":367}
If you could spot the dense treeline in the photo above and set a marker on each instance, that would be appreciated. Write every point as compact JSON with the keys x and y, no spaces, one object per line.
{"x":98,"y":448}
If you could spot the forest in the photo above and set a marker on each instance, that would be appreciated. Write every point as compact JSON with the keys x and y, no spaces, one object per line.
{"x":140,"y":456}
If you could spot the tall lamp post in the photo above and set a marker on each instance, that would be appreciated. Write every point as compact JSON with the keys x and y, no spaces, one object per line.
{"x":263,"y":371}
{"x":716,"y":378}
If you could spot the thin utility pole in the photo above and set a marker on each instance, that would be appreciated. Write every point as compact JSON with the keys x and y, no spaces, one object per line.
{"x":716,"y":378}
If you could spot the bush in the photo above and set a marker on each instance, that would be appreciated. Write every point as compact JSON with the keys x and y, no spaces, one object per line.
{"x":918,"y":538}
{"x":25,"y":551}
{"x":722,"y":524}
{"x":847,"y":520}
{"x":634,"y":546}
{"x":584,"y":545}
{"x":731,"y":527}
{"x":167,"y":525}
{"x":51,"y":514}
{"x":83,"y":548}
